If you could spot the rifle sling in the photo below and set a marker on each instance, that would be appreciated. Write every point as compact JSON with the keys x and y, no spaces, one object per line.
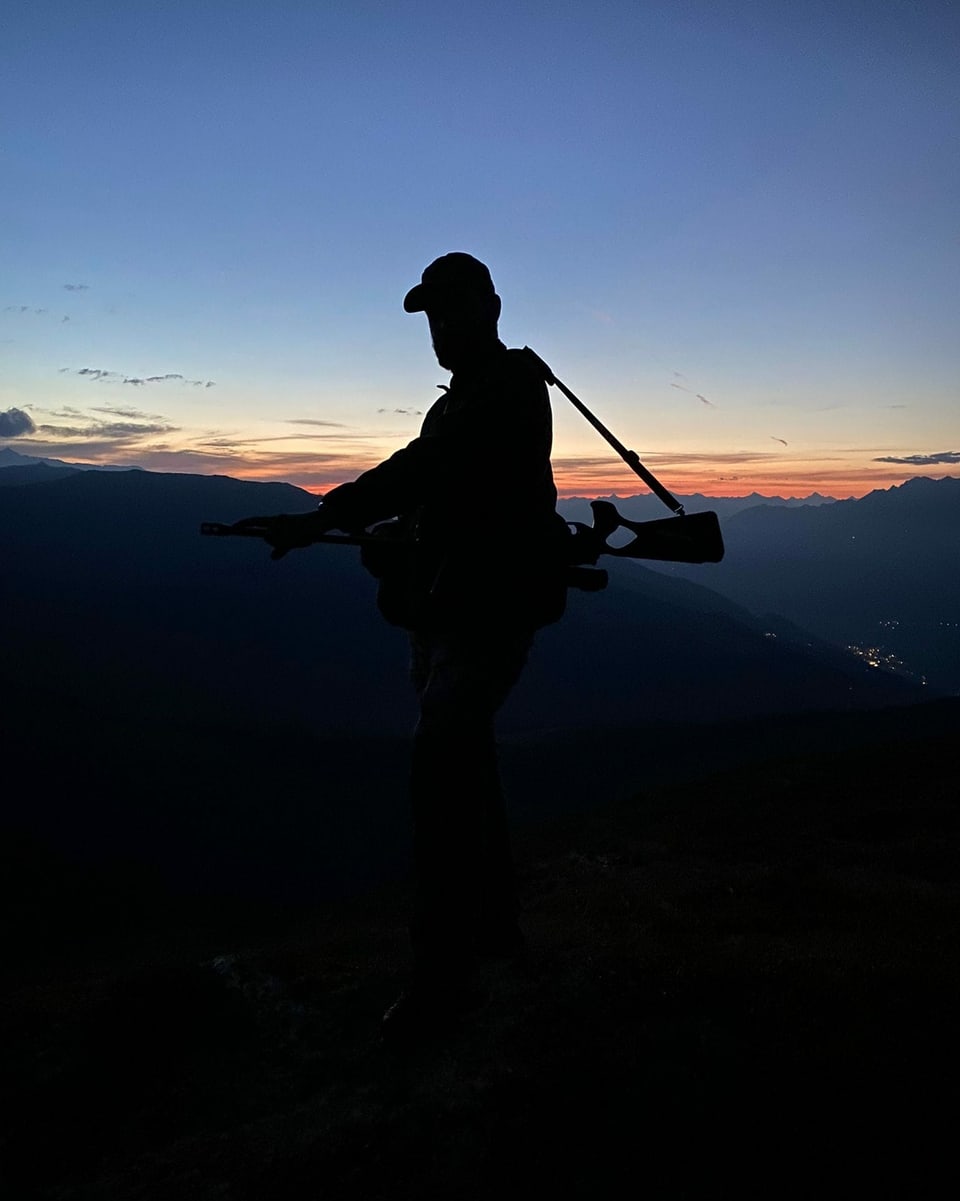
{"x":630,"y":457}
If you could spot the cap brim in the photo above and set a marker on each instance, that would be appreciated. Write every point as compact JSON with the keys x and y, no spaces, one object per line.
{"x":415,"y":300}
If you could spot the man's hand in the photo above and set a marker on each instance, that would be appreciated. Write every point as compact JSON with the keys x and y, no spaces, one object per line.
{"x":285,"y":532}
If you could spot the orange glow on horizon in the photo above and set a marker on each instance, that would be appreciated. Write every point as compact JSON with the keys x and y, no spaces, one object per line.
{"x":731,"y":474}
{"x":838,"y":482}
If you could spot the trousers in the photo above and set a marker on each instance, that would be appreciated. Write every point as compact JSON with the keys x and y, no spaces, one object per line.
{"x":464,"y":885}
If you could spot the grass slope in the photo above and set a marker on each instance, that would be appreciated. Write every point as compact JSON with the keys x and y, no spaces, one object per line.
{"x":741,"y":986}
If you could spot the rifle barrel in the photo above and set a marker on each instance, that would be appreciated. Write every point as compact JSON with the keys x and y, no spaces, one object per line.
{"x":218,"y":529}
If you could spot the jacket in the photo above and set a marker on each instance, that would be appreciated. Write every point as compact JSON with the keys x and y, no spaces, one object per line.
{"x":475,"y":506}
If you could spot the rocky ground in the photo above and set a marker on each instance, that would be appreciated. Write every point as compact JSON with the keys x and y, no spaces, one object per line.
{"x":745,"y":986}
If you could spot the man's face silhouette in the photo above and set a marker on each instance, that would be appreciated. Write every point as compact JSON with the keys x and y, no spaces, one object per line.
{"x":462,"y":328}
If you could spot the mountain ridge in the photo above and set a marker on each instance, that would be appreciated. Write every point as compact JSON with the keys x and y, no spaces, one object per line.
{"x":109,"y":572}
{"x":881,"y":573}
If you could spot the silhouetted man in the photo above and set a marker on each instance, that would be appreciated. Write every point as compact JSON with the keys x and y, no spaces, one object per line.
{"x":475,"y":572}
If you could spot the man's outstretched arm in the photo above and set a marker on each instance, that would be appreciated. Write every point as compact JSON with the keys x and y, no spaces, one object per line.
{"x":397,"y":485}
{"x":284,"y":531}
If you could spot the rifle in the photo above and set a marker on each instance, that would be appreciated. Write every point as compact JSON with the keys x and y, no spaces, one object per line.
{"x":683,"y":538}
{"x":693,"y":539}
{"x":218,"y":529}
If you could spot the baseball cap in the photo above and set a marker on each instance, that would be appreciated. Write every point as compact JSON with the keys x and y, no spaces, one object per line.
{"x":449,"y":277}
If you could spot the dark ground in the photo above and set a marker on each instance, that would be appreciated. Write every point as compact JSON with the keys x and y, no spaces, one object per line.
{"x":743,"y":986}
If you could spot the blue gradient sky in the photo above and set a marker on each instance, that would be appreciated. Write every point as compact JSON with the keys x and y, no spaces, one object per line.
{"x":728,"y":227}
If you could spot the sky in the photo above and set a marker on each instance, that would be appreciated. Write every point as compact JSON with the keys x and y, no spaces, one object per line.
{"x":730,"y":228}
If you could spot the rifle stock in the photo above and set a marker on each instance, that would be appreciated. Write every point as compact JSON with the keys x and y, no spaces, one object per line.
{"x":690,"y":538}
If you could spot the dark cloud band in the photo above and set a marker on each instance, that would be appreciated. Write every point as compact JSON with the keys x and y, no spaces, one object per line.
{"x":120,"y":431}
{"x":942,"y":456}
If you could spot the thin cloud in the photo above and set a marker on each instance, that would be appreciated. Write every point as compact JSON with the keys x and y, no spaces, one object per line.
{"x":312,"y":421}
{"x":307,"y":469}
{"x":15,"y":423}
{"x":110,"y":451}
{"x":403,"y":412}
{"x":136,"y":381}
{"x":96,"y":373}
{"x":942,"y":456}
{"x":133,"y":429}
{"x":77,"y":287}
{"x":591,"y":467}
{"x":65,"y":431}
{"x":705,"y":401}
{"x":228,"y":441}
{"x":133,"y":414}
{"x":678,"y":458}
{"x":116,"y":431}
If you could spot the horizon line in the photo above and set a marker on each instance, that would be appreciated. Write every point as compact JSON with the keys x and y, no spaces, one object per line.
{"x":834,"y":487}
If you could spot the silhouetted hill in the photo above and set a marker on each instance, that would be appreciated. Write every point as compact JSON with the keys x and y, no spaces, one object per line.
{"x":637,"y":653}
{"x":113,"y":594}
{"x":119,"y":603}
{"x":13,"y":458}
{"x":33,"y":473}
{"x":881,"y":572}
{"x":743,"y":985}
{"x":239,"y":723}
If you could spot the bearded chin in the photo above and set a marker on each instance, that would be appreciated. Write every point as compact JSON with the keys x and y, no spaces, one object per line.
{"x":454,"y":352}
{"x":447,"y":354}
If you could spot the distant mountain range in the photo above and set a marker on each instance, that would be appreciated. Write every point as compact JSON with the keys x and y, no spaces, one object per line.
{"x":647,"y":507}
{"x":113,"y":593}
{"x":14,"y":459}
{"x":575,"y":508}
{"x":881,"y":573}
